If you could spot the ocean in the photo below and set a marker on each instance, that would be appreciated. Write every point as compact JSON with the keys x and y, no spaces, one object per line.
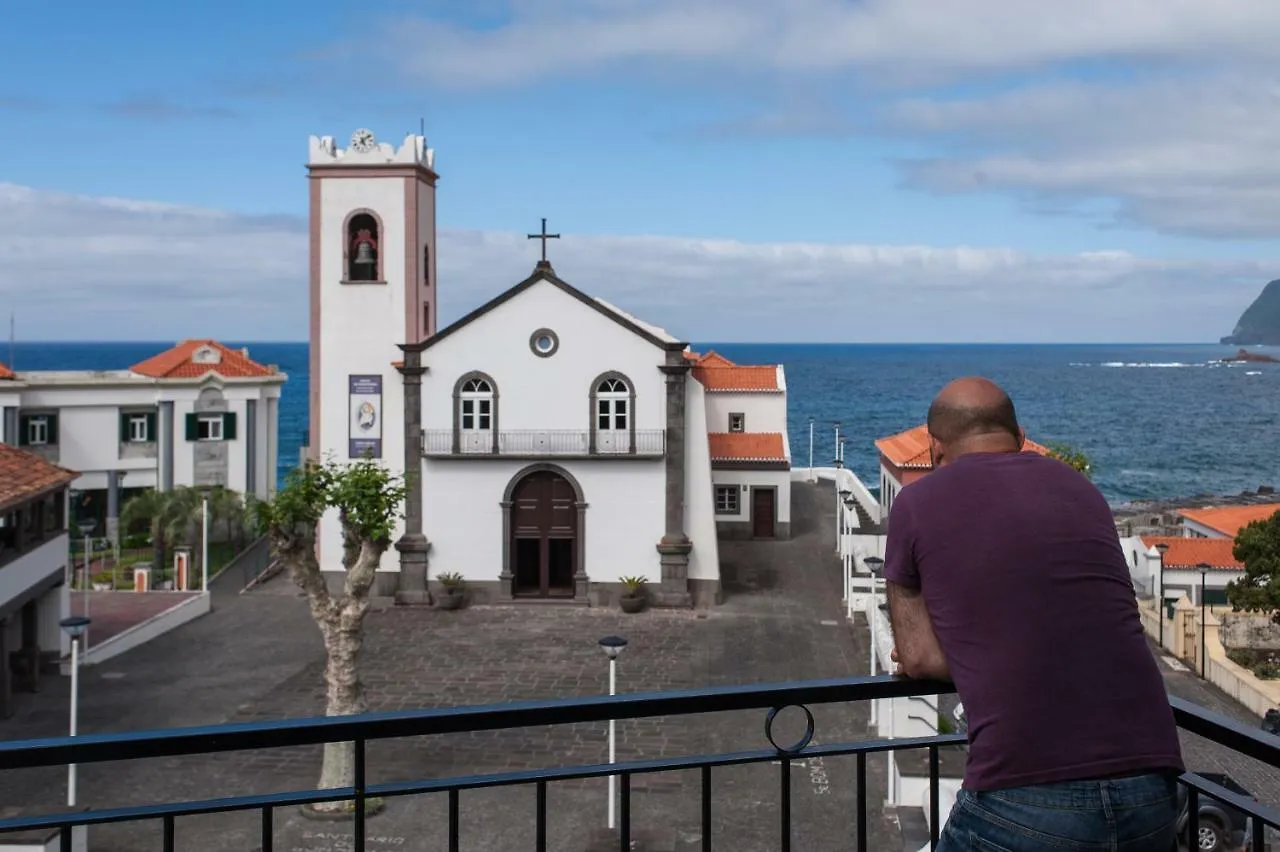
{"x":1158,"y":421}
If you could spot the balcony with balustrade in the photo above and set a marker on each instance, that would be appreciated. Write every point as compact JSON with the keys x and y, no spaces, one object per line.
{"x":786,"y":757}
{"x":544,"y":443}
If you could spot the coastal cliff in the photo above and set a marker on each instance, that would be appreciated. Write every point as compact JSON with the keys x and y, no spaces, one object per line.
{"x":1259,"y":325}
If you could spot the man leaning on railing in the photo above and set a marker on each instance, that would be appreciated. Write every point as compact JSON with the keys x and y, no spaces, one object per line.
{"x":1005,"y":576}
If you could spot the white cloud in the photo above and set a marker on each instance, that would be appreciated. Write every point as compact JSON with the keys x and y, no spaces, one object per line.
{"x":76,"y":267}
{"x":1190,"y":156}
{"x":1173,"y":113}
{"x":917,"y":38}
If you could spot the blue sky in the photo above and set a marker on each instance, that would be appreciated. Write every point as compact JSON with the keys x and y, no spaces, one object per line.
{"x":800,"y":169}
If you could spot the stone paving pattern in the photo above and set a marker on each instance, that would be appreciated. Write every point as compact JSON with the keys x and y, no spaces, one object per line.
{"x":257,"y":656}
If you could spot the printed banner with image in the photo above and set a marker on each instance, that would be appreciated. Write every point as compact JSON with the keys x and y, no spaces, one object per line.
{"x":365,"y":435}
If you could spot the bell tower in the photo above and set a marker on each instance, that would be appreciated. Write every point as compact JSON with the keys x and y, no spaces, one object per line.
{"x":372,"y":288}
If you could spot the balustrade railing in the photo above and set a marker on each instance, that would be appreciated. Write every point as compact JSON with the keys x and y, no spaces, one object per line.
{"x":544,"y":442}
{"x":361,"y":730}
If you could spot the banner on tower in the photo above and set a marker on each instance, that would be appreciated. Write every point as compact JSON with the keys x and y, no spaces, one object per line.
{"x":365,"y":435}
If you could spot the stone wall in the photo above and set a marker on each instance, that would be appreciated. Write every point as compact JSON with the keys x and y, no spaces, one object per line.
{"x":1250,"y":631}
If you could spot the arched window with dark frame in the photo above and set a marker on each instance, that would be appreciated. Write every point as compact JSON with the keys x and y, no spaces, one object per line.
{"x":363,"y":248}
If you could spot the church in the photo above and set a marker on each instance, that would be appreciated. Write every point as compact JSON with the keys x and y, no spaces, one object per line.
{"x":555,"y":443}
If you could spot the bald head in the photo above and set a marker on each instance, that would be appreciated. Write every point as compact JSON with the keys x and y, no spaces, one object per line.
{"x":973,"y":413}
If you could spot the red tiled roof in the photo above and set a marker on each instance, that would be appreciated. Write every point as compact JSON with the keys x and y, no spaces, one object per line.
{"x":747,"y":446}
{"x":717,"y":373}
{"x":1229,"y":520}
{"x":25,"y":476}
{"x":910,"y":449}
{"x":177,"y":363}
{"x":1190,"y":552}
{"x":6,"y":373}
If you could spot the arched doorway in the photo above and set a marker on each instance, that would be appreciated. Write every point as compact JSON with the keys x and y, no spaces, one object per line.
{"x":544,"y":536}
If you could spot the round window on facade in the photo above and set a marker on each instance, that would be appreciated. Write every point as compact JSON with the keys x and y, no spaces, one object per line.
{"x":544,"y":343}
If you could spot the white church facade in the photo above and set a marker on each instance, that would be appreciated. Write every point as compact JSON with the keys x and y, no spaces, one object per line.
{"x":555,"y":443}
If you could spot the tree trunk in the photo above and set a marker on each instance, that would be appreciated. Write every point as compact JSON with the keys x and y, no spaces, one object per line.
{"x":341,"y":627}
{"x":344,"y":695}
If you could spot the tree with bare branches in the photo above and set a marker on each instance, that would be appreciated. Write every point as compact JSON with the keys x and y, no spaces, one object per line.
{"x":368,"y":499}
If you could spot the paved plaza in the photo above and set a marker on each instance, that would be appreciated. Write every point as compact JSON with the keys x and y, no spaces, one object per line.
{"x":258,"y":656}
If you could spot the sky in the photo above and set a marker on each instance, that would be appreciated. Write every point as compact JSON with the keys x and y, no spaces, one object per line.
{"x":734,"y":170}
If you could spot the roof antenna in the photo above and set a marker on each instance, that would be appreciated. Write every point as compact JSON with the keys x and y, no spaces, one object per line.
{"x":11,"y":340}
{"x":422,"y":127}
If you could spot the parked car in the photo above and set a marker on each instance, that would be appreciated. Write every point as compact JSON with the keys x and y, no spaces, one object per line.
{"x":1221,"y":827}
{"x":1271,"y":722}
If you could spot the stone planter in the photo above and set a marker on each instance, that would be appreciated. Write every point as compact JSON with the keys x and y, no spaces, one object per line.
{"x":450,"y":599}
{"x":102,"y":587}
{"x":634,"y":602}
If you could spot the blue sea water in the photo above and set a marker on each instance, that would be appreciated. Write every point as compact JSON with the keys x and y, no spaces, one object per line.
{"x":1158,"y":421}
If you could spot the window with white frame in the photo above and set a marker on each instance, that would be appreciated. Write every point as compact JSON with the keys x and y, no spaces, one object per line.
{"x":475,"y":406}
{"x":209,"y":427}
{"x":138,"y":431}
{"x":37,"y":431}
{"x":737,"y":422}
{"x":612,"y":398}
{"x":727,"y":500}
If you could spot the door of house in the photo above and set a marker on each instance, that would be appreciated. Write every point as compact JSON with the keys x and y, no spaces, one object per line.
{"x":762,"y":512}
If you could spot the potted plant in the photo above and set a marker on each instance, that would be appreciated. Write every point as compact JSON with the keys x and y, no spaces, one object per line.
{"x":635,"y":595}
{"x":102,"y":581}
{"x":452,"y":584}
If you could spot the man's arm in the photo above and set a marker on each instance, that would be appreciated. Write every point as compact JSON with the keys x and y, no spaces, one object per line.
{"x":915,"y":643}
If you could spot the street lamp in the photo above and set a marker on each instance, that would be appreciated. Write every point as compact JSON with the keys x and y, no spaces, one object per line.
{"x":1163,"y":547}
{"x":876,"y":566}
{"x":612,"y":647}
{"x":75,"y":626}
{"x":1204,"y":573}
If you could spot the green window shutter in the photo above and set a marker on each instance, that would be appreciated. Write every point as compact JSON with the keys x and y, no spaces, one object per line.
{"x":152,"y":434}
{"x":124,"y":427}
{"x":53,"y":429}
{"x":192,"y":427}
{"x":229,"y":426}
{"x":24,"y":424}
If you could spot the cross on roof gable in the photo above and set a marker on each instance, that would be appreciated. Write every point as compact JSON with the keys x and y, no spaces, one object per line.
{"x":543,"y":272}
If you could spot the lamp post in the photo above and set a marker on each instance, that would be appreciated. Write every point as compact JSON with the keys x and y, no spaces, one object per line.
{"x":75,"y":626}
{"x":839,"y":465}
{"x":1204,"y":573}
{"x":874,"y":564}
{"x":1163,"y":547}
{"x":204,"y":545}
{"x":612,"y":647}
{"x":811,"y":449}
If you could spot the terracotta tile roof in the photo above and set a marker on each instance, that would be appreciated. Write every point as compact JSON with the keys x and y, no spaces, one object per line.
{"x":910,"y":449}
{"x":180,"y":363}
{"x":747,"y":446}
{"x":25,"y":475}
{"x":1229,"y":520}
{"x":1187,"y":553}
{"x":6,"y":373}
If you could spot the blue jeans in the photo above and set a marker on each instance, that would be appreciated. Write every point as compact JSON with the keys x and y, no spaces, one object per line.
{"x":1133,"y":814}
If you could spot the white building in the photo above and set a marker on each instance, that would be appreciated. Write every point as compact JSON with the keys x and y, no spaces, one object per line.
{"x":1178,"y":570}
{"x":905,"y":458}
{"x":559,"y":443}
{"x":33,"y":568}
{"x":1223,"y":521}
{"x":199,"y":414}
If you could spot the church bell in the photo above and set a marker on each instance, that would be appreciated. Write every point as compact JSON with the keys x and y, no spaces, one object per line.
{"x":364,"y":254}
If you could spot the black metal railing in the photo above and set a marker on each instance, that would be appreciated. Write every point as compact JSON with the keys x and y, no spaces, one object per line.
{"x":361,"y":730}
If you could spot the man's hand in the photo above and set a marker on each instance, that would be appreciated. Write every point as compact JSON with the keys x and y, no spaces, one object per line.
{"x":897,"y":669}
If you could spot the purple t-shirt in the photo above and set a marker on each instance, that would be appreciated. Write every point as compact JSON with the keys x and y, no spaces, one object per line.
{"x":1029,"y":593}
